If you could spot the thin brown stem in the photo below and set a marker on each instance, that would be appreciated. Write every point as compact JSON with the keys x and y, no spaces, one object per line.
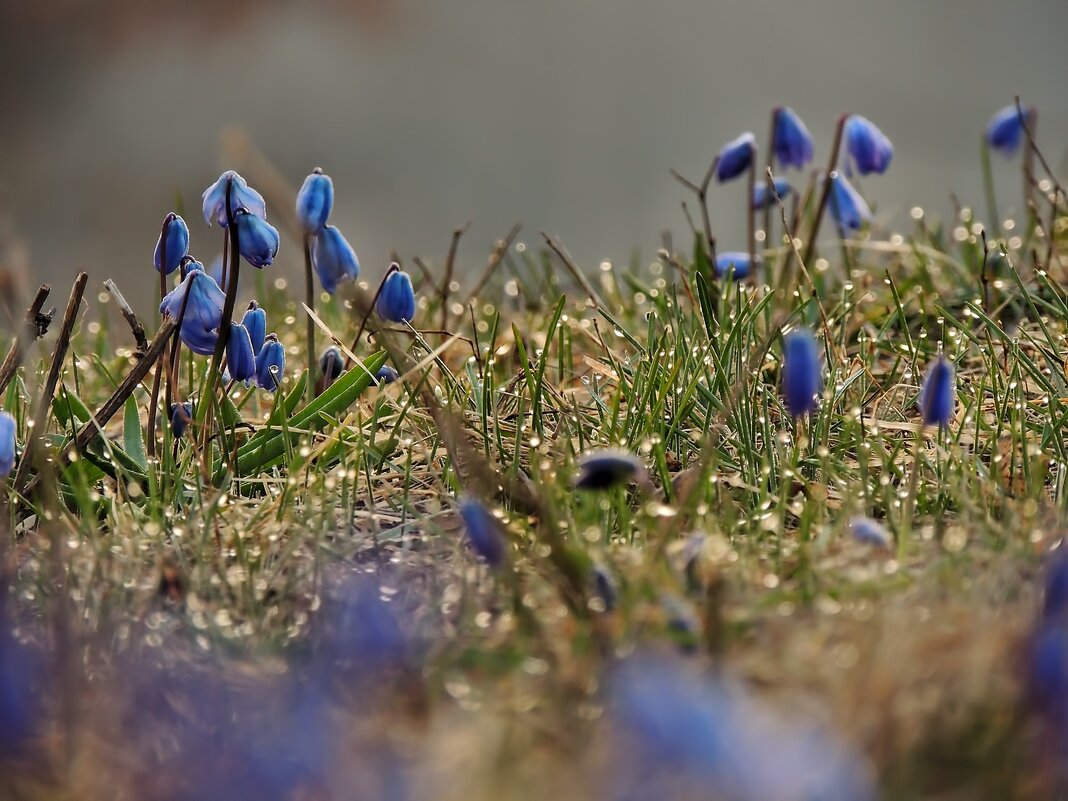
{"x":576,"y":273}
{"x":495,"y":259}
{"x":309,"y":293}
{"x":770,"y":186}
{"x":825,"y":191}
{"x":34,"y":327}
{"x":450,"y":265}
{"x":393,"y":267}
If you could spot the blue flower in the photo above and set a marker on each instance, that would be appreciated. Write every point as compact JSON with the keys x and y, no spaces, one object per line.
{"x":792,"y":142}
{"x":240,"y":357}
{"x":257,"y":239}
{"x":736,"y":157}
{"x":241,"y":196}
{"x":315,"y":201}
{"x":7,"y":443}
{"x":867,"y":531}
{"x":181,"y":416}
{"x":331,"y":364}
{"x":386,"y":375}
{"x":1005,"y":130}
{"x":607,"y":468}
{"x":175,"y":236}
{"x":869,"y":147}
{"x":763,"y":198}
{"x":203,"y":311}
{"x":333,"y":258}
{"x":731,"y":260}
{"x":270,"y":364}
{"x":802,"y":373}
{"x":396,"y":301}
{"x":255,"y":322}
{"x":847,"y":207}
{"x":937,"y":393}
{"x":483,"y":532}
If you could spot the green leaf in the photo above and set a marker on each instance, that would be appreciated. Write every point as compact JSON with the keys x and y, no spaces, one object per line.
{"x":132,"y":441}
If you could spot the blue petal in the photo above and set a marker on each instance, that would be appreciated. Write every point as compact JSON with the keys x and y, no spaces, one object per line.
{"x":739,"y":262}
{"x":867,"y":145}
{"x":242,"y":196}
{"x":270,"y":364}
{"x":315,"y":200}
{"x":802,"y":372}
{"x":257,"y":239}
{"x":177,"y":244}
{"x":793,"y":142}
{"x":255,"y":322}
{"x":763,"y":198}
{"x":736,"y":157}
{"x":333,"y":258}
{"x":1005,"y":130}
{"x":240,"y":358}
{"x":396,"y":301}
{"x":7,"y":443}
{"x":847,"y":207}
{"x":483,"y":532}
{"x":937,"y":397}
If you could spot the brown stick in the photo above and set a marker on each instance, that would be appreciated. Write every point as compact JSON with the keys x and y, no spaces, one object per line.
{"x":34,"y":328}
{"x":128,"y":314}
{"x":44,"y":400}
{"x":450,"y":265}
{"x":496,"y":257}
{"x":573,"y":268}
{"x":825,"y":192}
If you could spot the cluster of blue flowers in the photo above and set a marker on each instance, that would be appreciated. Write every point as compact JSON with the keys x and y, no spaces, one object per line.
{"x":332,"y":256}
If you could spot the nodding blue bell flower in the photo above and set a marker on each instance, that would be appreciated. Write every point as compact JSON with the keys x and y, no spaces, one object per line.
{"x":1005,"y":130}
{"x":333,"y":258}
{"x":607,"y":468}
{"x":869,"y":148}
{"x":257,"y":239}
{"x":270,"y":364}
{"x":242,"y":196}
{"x":315,"y":200}
{"x":868,"y":532}
{"x":255,"y":322}
{"x":802,"y":373}
{"x":484,"y":532}
{"x":331,"y":366}
{"x":937,"y":393}
{"x":203,"y":310}
{"x":762,"y":198}
{"x":240,"y":357}
{"x":396,"y":301}
{"x":172,"y":245}
{"x":7,"y":443}
{"x":732,"y":261}
{"x":847,"y":207}
{"x":386,"y":375}
{"x":735,"y":157}
{"x":181,"y":416}
{"x":792,"y":143}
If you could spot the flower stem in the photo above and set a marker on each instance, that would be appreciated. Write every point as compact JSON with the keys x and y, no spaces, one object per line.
{"x":769,"y":184}
{"x":988,"y":187}
{"x":161,"y":364}
{"x":309,"y":292}
{"x":825,"y":191}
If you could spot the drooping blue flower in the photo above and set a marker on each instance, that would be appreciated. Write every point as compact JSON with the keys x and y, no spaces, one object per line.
{"x":847,"y":207}
{"x":203,"y":311}
{"x":333,"y":258}
{"x":1005,"y":130}
{"x":7,"y":443}
{"x":762,"y":198}
{"x":174,"y":238}
{"x":396,"y":301}
{"x":240,"y":357}
{"x":181,"y":416}
{"x":736,"y":157}
{"x":331,"y":364}
{"x":937,"y":393}
{"x":255,"y":322}
{"x":386,"y":375}
{"x":270,"y":364}
{"x":483,"y":532}
{"x":257,"y":239}
{"x":869,"y":532}
{"x":733,"y":260}
{"x":241,"y":196}
{"x":315,"y":200}
{"x":607,"y":468}
{"x":869,"y":148}
{"x":792,"y":142}
{"x":802,"y":372}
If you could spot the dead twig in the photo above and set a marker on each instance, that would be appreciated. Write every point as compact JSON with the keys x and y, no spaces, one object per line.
{"x":35,"y":327}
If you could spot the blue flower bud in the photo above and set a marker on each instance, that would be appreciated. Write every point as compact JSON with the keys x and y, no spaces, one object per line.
{"x":608,"y":468}
{"x":257,"y":239}
{"x":181,"y":416}
{"x":847,"y":207}
{"x":202,"y":312}
{"x":255,"y":322}
{"x":333,"y":258}
{"x":241,"y":196}
{"x":331,"y":366}
{"x":7,"y":443}
{"x":396,"y":301}
{"x":867,"y":531}
{"x":175,"y":236}
{"x":484,"y":532}
{"x":315,"y":201}
{"x":792,"y":141}
{"x":731,"y":260}
{"x":762,"y":198}
{"x":386,"y":375}
{"x":270,"y":364}
{"x":736,"y":157}
{"x":240,"y":357}
{"x":1005,"y":130}
{"x":870,"y":149}
{"x":802,"y":372}
{"x":937,"y":393}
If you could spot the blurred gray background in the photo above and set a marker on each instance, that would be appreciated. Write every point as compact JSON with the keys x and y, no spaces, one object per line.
{"x":563,"y":115}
